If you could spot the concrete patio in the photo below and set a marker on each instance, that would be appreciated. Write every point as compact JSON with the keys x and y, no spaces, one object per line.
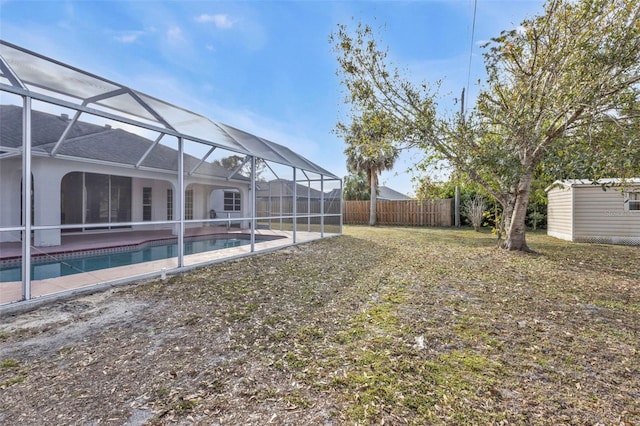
{"x":91,"y":243}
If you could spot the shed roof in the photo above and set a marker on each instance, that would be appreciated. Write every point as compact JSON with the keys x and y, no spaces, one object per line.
{"x":28,"y":73}
{"x":572,"y":183}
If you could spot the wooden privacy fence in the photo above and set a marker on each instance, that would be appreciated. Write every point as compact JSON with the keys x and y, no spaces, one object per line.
{"x":402,"y":212}
{"x":277,"y":206}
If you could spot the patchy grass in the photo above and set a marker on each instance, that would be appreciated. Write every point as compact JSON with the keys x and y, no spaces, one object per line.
{"x":9,"y":363}
{"x":10,"y":373}
{"x":381,"y":325}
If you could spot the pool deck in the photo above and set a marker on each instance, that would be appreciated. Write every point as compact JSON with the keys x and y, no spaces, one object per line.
{"x":105,"y":240}
{"x":12,"y":291}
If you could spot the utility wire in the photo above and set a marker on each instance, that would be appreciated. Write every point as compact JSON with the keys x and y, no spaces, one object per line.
{"x":473,"y":31}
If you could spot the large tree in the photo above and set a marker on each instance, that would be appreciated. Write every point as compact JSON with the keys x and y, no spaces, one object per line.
{"x":557,"y":76}
{"x":561,"y":76}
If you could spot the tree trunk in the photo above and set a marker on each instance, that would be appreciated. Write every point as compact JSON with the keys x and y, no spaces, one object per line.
{"x":373,"y":177}
{"x":515,"y":236}
{"x":507,"y":212}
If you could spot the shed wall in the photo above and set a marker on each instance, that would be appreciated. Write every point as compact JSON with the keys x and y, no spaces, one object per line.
{"x":560,"y":213}
{"x":600,"y":217}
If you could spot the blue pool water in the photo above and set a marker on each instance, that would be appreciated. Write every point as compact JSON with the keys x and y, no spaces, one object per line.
{"x":57,"y":268}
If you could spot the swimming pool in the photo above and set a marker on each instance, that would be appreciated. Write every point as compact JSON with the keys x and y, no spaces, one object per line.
{"x":52,"y":267}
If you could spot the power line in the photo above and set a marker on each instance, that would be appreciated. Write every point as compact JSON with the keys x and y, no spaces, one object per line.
{"x":473,"y":31}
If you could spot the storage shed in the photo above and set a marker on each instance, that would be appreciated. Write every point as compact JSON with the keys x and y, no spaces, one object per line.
{"x":607,"y":211}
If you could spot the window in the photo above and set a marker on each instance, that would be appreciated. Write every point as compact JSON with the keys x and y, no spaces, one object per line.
{"x":146,"y":203}
{"x":72,"y":198}
{"x":97,"y":198}
{"x":94,"y":198}
{"x":633,"y":201}
{"x":169,"y":203}
{"x":188,"y":204}
{"x":120,"y":199}
{"x":231,"y":201}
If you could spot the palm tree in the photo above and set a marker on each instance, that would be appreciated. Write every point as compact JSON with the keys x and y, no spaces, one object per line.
{"x":370,"y":150}
{"x":356,"y":187}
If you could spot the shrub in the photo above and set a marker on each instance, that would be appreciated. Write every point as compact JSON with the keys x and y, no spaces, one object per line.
{"x":473,"y":209}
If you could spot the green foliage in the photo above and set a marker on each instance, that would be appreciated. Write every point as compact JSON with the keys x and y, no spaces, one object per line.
{"x":427,"y":189}
{"x":561,"y":99}
{"x":554,"y":86}
{"x":356,"y":187}
{"x":601,"y":149}
{"x":369,"y":140}
{"x":370,"y":149}
{"x":236,"y":162}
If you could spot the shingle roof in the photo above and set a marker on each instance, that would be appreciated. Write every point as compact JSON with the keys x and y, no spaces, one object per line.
{"x":46,"y":128}
{"x":91,"y":141}
{"x":274,"y":187}
{"x":386,"y":193}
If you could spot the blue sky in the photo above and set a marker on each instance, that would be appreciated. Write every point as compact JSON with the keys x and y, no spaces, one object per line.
{"x":263,"y":66}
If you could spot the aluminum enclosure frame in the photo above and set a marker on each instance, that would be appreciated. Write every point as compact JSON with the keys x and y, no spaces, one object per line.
{"x":31,"y":76}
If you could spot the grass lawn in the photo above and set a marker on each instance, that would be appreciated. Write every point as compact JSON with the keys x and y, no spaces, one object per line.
{"x":378,"y":326}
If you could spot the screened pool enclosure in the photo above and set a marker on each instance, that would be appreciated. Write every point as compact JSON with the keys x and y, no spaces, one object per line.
{"x":100,"y":183}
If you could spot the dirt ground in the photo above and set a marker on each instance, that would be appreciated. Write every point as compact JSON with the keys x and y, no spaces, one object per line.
{"x":379,"y":326}
{"x":46,"y":332}
{"x":157,"y":353}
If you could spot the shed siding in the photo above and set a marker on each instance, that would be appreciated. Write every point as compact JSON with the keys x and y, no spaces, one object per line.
{"x":600,"y":217}
{"x":559,"y":213}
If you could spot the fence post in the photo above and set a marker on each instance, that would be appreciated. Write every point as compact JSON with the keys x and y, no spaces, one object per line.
{"x":456,"y":212}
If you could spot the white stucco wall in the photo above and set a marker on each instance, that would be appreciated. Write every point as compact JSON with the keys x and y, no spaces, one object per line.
{"x":47,"y":177}
{"x":10,"y":178}
{"x":158,"y":199}
{"x":217,"y":204}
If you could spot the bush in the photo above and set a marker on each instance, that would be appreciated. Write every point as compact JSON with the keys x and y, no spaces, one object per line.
{"x":473,"y":209}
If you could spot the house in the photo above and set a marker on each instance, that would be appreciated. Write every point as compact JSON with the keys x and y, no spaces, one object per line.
{"x":99,"y":171}
{"x":384,"y":194}
{"x":389,"y":194}
{"x":102,"y":176}
{"x":607,"y":211}
{"x":91,"y":167}
{"x":275,"y":197}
